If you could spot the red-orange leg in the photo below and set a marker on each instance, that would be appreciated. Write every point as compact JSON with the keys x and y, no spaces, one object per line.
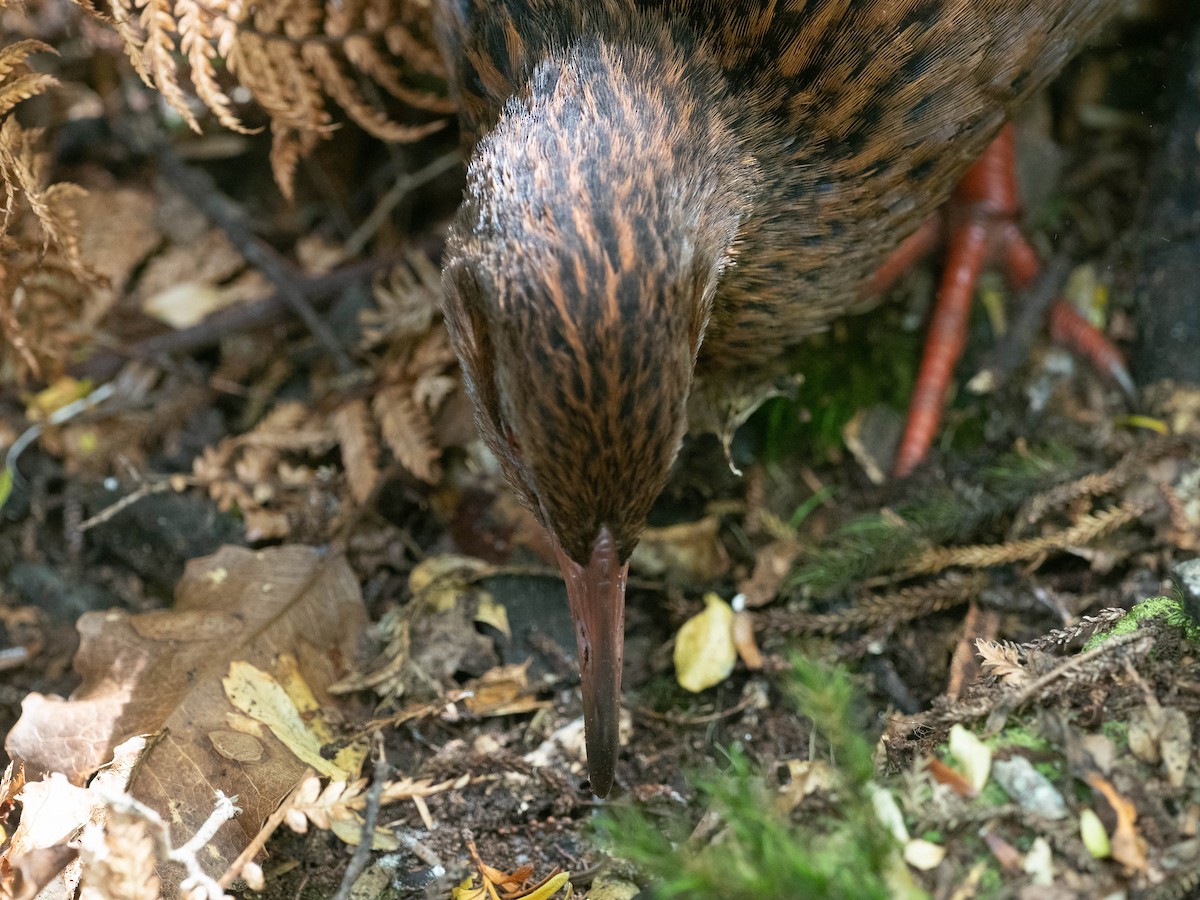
{"x":943,"y":345}
{"x":982,"y":225}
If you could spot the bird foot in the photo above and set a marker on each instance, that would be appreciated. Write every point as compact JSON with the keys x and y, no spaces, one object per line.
{"x":982,"y":229}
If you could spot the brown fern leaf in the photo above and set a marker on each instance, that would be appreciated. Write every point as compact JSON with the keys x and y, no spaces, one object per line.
{"x":365,"y":56}
{"x":51,"y":280}
{"x":1002,"y":660}
{"x":292,"y":56}
{"x":288,"y":147}
{"x":15,"y":54}
{"x":22,"y":88}
{"x":158,"y":21}
{"x":41,"y":303}
{"x":352,"y":425}
{"x":201,"y":37}
{"x":341,"y":88}
{"x":27,"y":84}
{"x":123,"y":20}
{"x":407,"y":431}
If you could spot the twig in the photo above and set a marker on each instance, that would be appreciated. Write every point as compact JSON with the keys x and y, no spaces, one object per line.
{"x":264,"y":834}
{"x":202,"y":192}
{"x":678,"y":719}
{"x":1013,"y":348}
{"x":143,"y":490}
{"x":426,"y":854}
{"x":186,"y":855}
{"x":60,"y":415}
{"x":404,"y":185}
{"x":891,"y":609}
{"x":1119,"y":647}
{"x":1089,"y":528}
{"x":362,"y":853}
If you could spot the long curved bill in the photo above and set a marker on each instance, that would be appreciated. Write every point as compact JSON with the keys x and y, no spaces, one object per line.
{"x":597,"y":596}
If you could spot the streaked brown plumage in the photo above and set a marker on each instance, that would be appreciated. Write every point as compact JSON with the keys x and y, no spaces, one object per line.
{"x":656,"y":183}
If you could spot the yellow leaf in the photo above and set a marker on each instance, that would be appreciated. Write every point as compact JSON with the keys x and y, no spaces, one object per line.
{"x":972,"y":755}
{"x":466,"y":890}
{"x":349,"y":831}
{"x":489,"y":612}
{"x":65,"y":390}
{"x":551,"y":887}
{"x":289,"y":710}
{"x":1093,"y":835}
{"x":704,"y":649}
{"x":1158,"y":426}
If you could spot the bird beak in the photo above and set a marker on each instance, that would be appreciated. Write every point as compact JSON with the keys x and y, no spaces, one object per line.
{"x":597,"y":596}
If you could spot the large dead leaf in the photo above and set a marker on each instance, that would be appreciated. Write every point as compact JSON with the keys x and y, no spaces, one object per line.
{"x":285,"y":611}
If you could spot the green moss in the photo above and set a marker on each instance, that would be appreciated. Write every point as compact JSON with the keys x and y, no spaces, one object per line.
{"x":860,"y":362}
{"x":1051,"y":770}
{"x":993,"y":795}
{"x":1169,"y":609}
{"x":1116,"y":731}
{"x":1017,"y":736}
{"x":991,"y":882}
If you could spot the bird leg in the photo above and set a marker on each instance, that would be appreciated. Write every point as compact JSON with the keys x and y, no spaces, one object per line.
{"x":981,"y":220}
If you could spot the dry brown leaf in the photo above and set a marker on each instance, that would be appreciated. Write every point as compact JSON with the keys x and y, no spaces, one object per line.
{"x":691,"y":552}
{"x":502,"y":691}
{"x":119,"y":861}
{"x":1128,"y":846}
{"x":496,"y":884}
{"x":1162,"y":734}
{"x":1005,"y":853}
{"x":117,"y":231}
{"x":806,"y":777}
{"x":771,"y":566}
{"x":162,"y":672}
{"x":744,"y":642}
{"x":952,"y":778}
{"x":52,"y":808}
{"x":252,"y":472}
{"x":433,"y":636}
{"x":32,"y":872}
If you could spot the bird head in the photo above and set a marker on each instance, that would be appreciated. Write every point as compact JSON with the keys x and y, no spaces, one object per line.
{"x":579,"y":279}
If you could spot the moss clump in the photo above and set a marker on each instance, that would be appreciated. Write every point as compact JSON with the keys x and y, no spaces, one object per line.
{"x":1169,"y":609}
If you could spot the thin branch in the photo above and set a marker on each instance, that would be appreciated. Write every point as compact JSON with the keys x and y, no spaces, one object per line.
{"x":362,"y":853}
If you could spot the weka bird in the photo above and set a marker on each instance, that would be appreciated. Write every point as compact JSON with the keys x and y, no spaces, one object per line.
{"x":657,"y":186}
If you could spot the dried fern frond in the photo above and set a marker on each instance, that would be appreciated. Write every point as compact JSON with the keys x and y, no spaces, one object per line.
{"x":24,"y":85}
{"x":291,"y":56}
{"x":43,"y":277}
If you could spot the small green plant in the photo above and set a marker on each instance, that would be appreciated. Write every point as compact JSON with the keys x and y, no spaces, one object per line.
{"x":877,"y":543}
{"x":762,"y":853}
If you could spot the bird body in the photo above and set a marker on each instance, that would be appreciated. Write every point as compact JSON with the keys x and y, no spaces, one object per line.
{"x":656,"y":187}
